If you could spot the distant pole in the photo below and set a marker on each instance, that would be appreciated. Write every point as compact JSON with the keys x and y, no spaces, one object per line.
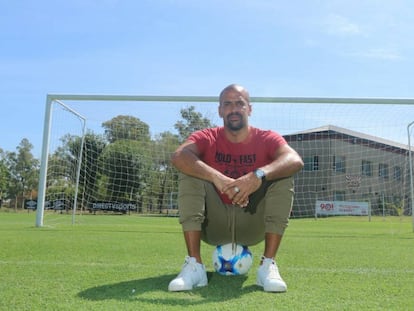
{"x":411,"y":172}
{"x":369,"y":210}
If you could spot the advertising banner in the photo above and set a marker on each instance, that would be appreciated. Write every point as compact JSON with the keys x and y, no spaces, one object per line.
{"x":341,"y":208}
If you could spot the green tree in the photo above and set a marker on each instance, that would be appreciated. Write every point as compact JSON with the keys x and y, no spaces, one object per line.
{"x":4,"y":177}
{"x":88,"y":181}
{"x":126,"y":127}
{"x":24,"y":172}
{"x":65,"y":161}
{"x":125,"y":163}
{"x":192,"y":121}
{"x":124,"y":166}
{"x":163,"y":175}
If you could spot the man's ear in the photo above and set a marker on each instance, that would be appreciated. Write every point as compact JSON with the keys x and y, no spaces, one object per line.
{"x":219,"y":111}
{"x":250,"y":110}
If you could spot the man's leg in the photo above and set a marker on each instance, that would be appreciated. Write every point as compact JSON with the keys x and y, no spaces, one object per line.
{"x":191,"y":203}
{"x":278,"y":205}
{"x":272,"y":243}
{"x":193,"y":241}
{"x":203,"y":215}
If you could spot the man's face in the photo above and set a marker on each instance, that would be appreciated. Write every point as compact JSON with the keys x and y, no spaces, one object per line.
{"x":234,"y":109}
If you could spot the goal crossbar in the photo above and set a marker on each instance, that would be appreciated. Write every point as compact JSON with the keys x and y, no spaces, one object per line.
{"x":301,"y":100}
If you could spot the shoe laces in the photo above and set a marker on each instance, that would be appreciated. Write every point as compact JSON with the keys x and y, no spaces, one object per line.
{"x":270,"y":266}
{"x":189,"y":265}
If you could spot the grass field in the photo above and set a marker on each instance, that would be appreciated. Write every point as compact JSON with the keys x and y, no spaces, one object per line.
{"x":110,"y":262}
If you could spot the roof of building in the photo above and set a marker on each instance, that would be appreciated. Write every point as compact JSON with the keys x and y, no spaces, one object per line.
{"x":332,"y":129}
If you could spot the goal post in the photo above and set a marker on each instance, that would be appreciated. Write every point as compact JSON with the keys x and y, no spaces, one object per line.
{"x":410,"y":159}
{"x":355,"y":151}
{"x":52,"y":99}
{"x":42,"y":187}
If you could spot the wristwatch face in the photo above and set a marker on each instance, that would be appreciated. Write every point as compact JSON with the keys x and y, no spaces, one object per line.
{"x":259,"y":173}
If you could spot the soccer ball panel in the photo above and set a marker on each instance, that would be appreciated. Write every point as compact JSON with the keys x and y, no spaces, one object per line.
{"x":229,"y":260}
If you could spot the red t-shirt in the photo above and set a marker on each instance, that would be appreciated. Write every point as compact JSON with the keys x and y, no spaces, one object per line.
{"x":236,"y":159}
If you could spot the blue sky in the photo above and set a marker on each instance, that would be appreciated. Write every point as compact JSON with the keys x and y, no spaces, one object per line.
{"x":321,"y":48}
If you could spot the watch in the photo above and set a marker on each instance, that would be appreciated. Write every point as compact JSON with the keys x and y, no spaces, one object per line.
{"x":260,"y":174}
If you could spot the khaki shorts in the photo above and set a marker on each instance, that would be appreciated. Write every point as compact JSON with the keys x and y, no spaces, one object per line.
{"x":201,"y":209}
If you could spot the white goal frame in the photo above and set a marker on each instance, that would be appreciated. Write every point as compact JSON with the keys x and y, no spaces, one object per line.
{"x":51,"y":98}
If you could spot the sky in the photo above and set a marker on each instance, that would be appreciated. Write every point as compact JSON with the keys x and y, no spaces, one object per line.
{"x":299,"y":48}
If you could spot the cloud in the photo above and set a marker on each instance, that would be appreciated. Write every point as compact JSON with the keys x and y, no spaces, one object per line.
{"x":339,"y":25}
{"x":379,"y":54}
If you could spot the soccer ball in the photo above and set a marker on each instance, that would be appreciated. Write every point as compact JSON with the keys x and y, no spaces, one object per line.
{"x":229,"y":259}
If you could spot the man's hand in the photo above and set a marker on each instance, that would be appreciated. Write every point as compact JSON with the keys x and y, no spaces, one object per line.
{"x":239,"y":190}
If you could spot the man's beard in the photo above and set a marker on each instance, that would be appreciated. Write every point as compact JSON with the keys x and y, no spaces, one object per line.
{"x":235,"y":126}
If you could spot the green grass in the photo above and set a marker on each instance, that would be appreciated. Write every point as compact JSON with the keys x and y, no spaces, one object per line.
{"x":110,"y":262}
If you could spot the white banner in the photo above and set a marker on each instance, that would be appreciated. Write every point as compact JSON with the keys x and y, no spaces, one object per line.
{"x":341,"y":208}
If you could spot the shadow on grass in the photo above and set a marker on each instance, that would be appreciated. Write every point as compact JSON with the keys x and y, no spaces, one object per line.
{"x":155,"y":290}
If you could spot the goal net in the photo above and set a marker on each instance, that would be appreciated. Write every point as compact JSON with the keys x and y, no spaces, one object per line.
{"x":106,"y":153}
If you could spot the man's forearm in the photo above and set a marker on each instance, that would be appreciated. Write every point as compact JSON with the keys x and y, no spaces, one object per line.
{"x":189,"y":164}
{"x":286,"y":165}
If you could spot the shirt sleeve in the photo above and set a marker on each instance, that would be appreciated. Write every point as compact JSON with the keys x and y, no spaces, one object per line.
{"x":273,"y":141}
{"x":200,"y":138}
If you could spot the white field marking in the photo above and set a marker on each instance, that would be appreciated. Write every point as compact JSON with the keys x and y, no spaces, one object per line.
{"x":356,"y":270}
{"x":76,"y":264}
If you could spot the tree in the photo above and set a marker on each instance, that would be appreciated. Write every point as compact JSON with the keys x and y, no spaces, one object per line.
{"x":125,"y":163}
{"x":163,"y":175}
{"x":88,"y":181}
{"x":4,"y":176}
{"x":192,"y":122}
{"x":65,"y":160}
{"x":126,"y":127}
{"x":24,"y":171}
{"x":123,"y":167}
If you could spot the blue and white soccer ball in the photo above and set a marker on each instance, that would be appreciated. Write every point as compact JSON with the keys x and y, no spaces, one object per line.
{"x":229,"y":259}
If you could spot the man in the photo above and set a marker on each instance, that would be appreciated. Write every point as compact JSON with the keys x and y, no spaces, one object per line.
{"x":236,"y":186}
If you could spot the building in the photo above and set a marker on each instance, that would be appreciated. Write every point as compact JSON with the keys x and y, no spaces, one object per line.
{"x":344,"y":165}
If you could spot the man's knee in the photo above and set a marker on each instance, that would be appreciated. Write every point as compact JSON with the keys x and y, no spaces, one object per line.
{"x":191,"y":202}
{"x":279,"y":202}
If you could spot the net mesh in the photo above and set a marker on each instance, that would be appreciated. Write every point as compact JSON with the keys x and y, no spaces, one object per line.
{"x":353,"y":152}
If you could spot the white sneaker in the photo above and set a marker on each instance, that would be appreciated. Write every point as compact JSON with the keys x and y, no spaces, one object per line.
{"x":193,"y":274}
{"x":269,"y":278}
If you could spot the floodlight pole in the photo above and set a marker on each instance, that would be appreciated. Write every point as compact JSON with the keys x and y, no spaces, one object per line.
{"x":411,"y":171}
